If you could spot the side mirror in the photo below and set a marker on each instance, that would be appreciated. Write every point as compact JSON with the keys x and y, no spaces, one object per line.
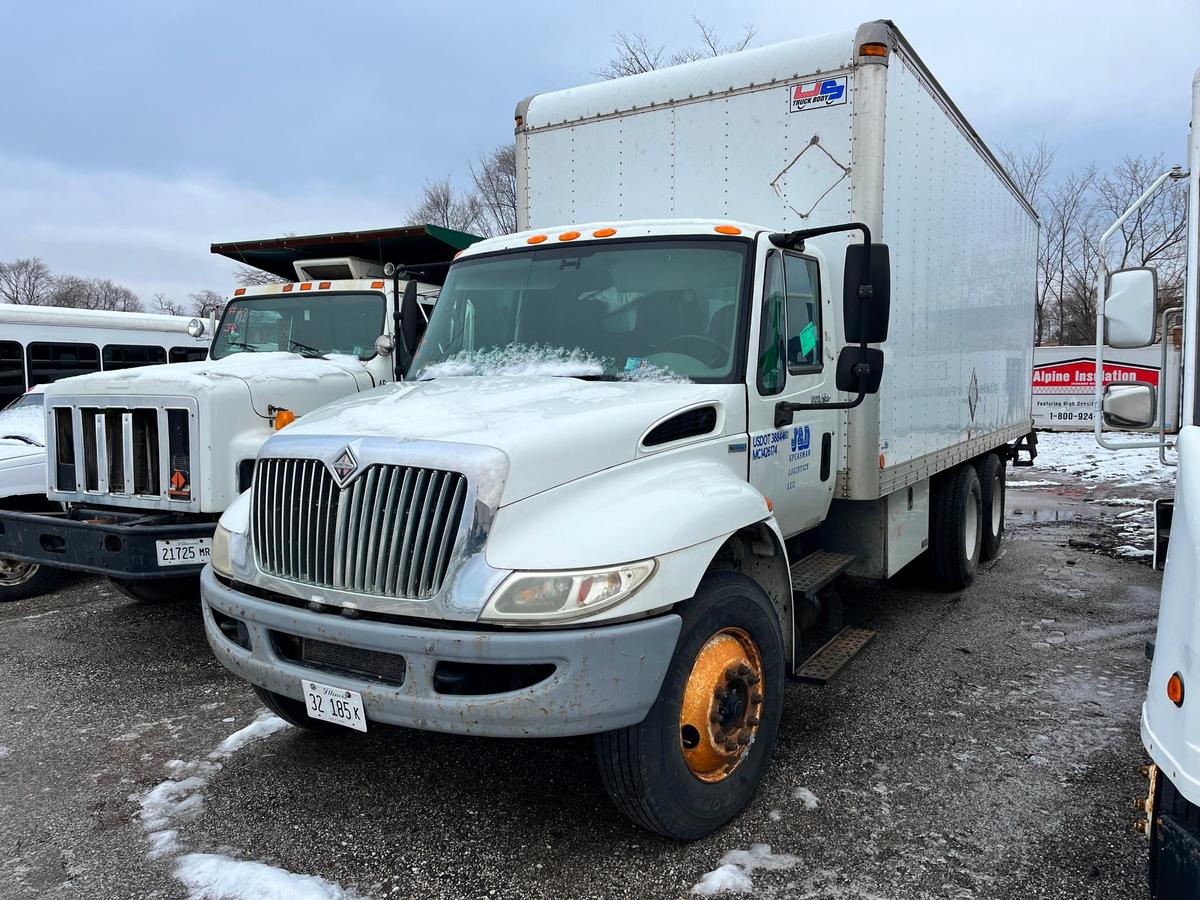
{"x":412,"y":323}
{"x":384,"y":345}
{"x":1129,"y":405}
{"x":859,"y":369}
{"x":1129,"y":307}
{"x":877,"y":306}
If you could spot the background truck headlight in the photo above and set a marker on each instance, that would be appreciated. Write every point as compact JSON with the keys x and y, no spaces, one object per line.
{"x":552,"y":596}
{"x":220,"y":559}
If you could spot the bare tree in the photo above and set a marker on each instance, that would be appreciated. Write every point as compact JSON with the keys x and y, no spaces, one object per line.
{"x":93,"y":293}
{"x":634,"y":54}
{"x":496,"y":187}
{"x":248,"y":276}
{"x":441,"y":204}
{"x":206,"y":303}
{"x":1029,"y":169}
{"x":26,"y":282}
{"x":163,"y":304}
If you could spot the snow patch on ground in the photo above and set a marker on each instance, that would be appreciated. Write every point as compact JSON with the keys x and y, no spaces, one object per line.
{"x":211,"y":876}
{"x":1077,"y":454}
{"x":733,"y":874}
{"x":4,"y":751}
{"x":807,"y":797}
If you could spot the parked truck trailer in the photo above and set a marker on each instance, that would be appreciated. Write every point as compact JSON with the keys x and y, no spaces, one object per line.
{"x":142,"y":462}
{"x":769,"y":320}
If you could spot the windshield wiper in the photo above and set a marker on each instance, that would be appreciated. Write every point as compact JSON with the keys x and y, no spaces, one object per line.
{"x":19,"y":437}
{"x":313,"y":351}
{"x":243,"y":345}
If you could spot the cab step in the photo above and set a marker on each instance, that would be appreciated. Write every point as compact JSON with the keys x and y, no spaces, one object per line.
{"x":816,"y":571}
{"x":822,"y":666}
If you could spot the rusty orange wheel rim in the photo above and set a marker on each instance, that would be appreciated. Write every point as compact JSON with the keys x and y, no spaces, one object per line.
{"x":722,"y":705}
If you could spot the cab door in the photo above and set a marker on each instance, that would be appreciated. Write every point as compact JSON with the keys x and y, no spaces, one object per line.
{"x":794,"y":465}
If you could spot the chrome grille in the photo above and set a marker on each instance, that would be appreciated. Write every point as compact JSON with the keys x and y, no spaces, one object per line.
{"x":390,"y":532}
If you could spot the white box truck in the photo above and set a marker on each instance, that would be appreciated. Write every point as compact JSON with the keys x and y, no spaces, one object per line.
{"x":1129,"y":315}
{"x":142,"y":462}
{"x":641,"y":436}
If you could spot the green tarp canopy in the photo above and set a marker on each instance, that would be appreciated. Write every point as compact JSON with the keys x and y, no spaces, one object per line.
{"x":410,"y":245}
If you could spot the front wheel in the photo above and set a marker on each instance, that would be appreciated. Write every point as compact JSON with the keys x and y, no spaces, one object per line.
{"x":19,"y":580}
{"x":696,"y":760}
{"x":159,"y":590}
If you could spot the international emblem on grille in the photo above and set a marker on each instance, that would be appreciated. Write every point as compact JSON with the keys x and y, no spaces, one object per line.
{"x":344,"y":465}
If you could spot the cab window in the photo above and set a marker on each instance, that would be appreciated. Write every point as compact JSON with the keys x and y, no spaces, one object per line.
{"x":803,"y":314}
{"x":771,"y":346}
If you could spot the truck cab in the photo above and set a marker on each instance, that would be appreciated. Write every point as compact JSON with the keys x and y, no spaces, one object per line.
{"x":144,"y":460}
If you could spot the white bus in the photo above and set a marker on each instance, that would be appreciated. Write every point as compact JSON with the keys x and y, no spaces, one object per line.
{"x":41,"y":344}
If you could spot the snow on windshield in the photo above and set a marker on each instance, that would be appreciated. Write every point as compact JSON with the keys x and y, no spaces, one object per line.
{"x":24,"y":420}
{"x":528,"y":360}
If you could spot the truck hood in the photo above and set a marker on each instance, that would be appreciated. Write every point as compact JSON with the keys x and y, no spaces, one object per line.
{"x":553,"y":430}
{"x":19,"y":453}
{"x":268,"y":378}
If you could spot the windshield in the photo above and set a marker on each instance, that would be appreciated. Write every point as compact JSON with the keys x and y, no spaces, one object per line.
{"x":310,"y":324}
{"x":23,"y":420}
{"x":623,"y":309}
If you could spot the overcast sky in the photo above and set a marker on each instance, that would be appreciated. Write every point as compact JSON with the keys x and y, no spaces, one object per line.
{"x":134,"y":134}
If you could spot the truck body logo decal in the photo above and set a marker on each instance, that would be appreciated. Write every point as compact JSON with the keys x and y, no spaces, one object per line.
{"x":344,"y":466}
{"x":817,"y":94}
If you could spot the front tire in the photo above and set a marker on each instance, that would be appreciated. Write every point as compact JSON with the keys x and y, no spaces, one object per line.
{"x":697,"y":758}
{"x":159,"y":590}
{"x":991,"y":483}
{"x":19,"y":580}
{"x":956,"y":527}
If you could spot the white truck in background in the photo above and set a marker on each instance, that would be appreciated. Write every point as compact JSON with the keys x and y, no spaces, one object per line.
{"x":144,"y":461}
{"x":1128,"y":315}
{"x":40,"y":345}
{"x":642,"y":436}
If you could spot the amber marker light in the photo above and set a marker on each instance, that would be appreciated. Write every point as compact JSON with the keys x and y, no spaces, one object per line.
{"x":535,"y":239}
{"x":874,"y":48}
{"x":287,"y":288}
{"x":1175,"y":689}
{"x":307,"y":286}
{"x":727,"y":229}
{"x":568,"y":235}
{"x":377,"y":284}
{"x":604,"y":232}
{"x":239,"y":292}
{"x":283,"y":418}
{"x":324,"y":285}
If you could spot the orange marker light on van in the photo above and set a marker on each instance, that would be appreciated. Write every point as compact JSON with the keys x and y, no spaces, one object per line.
{"x":727,"y":229}
{"x":535,"y":239}
{"x":307,"y":286}
{"x":1175,"y":689}
{"x":287,"y":288}
{"x":874,"y":48}
{"x":239,"y":292}
{"x":324,"y":285}
{"x":604,"y":232}
{"x":568,"y":235}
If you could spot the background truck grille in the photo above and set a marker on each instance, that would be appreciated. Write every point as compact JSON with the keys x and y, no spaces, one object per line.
{"x":390,"y":532}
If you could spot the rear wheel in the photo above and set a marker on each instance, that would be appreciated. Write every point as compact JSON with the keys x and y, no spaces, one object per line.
{"x":956,"y":527}
{"x":696,"y":760}
{"x":991,"y":483}
{"x":159,"y":590}
{"x":292,"y":712}
{"x":19,"y":580}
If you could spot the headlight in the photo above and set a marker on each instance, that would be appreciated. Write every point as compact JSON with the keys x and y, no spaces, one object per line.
{"x":538,"y":596}
{"x":220,"y":559}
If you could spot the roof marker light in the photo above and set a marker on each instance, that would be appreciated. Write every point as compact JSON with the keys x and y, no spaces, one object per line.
{"x":287,"y":288}
{"x":324,"y":285}
{"x":239,"y":292}
{"x":568,"y":235}
{"x":727,"y":229}
{"x":535,"y":239}
{"x":307,"y":286}
{"x":376,"y":284}
{"x":873,"y":48}
{"x":604,"y":232}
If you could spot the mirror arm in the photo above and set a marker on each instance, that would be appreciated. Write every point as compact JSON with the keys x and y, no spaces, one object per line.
{"x":794,"y":240}
{"x":397,"y":337}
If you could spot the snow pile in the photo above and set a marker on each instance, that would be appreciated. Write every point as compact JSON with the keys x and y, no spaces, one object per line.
{"x":254,"y":368}
{"x":1078,"y":454}
{"x":807,"y":797}
{"x":648,"y":372}
{"x":515,"y":360}
{"x":733,"y":875}
{"x":212,"y":876}
{"x":26,"y":422}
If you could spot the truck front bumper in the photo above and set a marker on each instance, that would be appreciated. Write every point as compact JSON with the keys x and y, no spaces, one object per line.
{"x":120,"y":545}
{"x":589,"y":679}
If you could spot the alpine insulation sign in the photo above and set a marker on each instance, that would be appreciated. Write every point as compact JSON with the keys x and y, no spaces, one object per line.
{"x":1064,"y":382}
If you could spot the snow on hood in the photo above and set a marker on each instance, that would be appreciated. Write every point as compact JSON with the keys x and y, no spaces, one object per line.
{"x":553,"y":430}
{"x":257,"y":371}
{"x":525,"y":359}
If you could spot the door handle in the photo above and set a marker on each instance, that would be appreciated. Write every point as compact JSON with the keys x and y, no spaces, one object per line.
{"x":826,"y":452}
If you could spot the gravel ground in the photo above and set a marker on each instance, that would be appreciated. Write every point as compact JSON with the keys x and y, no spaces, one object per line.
{"x":985,"y":744}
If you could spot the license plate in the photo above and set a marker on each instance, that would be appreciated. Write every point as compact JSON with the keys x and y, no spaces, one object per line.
{"x":336,"y":705}
{"x":184,"y":552}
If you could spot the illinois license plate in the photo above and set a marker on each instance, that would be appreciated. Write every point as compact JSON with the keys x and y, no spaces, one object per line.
{"x":184,"y":552}
{"x":336,"y":705}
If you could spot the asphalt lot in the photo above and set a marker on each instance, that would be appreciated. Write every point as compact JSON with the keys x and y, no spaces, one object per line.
{"x":985,"y":744}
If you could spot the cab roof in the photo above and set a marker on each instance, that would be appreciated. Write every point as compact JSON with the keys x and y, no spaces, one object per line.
{"x":593,"y":231}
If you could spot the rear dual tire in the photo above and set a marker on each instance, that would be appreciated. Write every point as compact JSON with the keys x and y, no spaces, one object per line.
{"x":956,"y":527}
{"x":992,"y":484}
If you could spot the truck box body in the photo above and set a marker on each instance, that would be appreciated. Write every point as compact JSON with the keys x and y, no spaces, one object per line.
{"x":808,"y":133}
